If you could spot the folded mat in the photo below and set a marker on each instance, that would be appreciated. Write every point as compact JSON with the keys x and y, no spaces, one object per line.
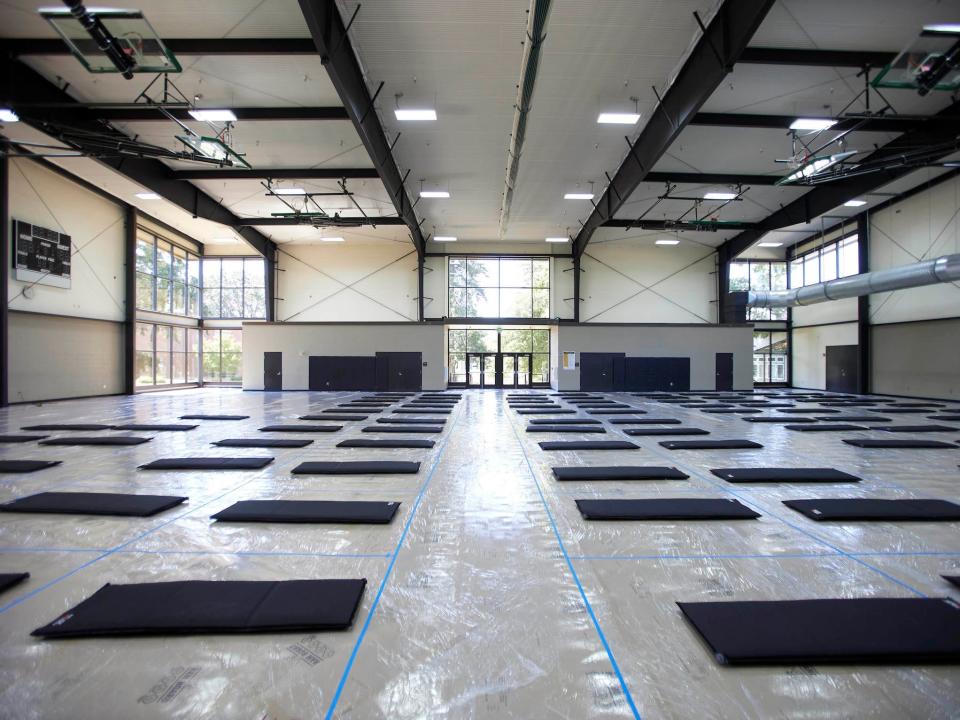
{"x":411,"y":421}
{"x":811,"y":632}
{"x":79,"y":427}
{"x":778,"y":474}
{"x":710,"y":444}
{"x":666,"y":509}
{"x":332,"y":417}
{"x":618,"y":472}
{"x":309,"y":511}
{"x":567,"y":428}
{"x":666,"y":431}
{"x":25,"y":466}
{"x":875,"y":509}
{"x":386,"y":443}
{"x":565,"y":421}
{"x":917,"y":428}
{"x":422,"y":429}
{"x":204,"y":606}
{"x":103,"y":440}
{"x":214,"y":417}
{"x":644,"y":421}
{"x":366,"y":467}
{"x":8,"y":580}
{"x":263,"y":442}
{"x":587,"y":445}
{"x":826,"y":427}
{"x":896,"y":443}
{"x":21,"y":438}
{"x":209,"y":463}
{"x":156,"y":428}
{"x":87,"y":503}
{"x":301,"y":428}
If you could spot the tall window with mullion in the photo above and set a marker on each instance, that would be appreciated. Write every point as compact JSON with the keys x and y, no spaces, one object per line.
{"x":760,"y":275}
{"x":498,"y":287}
{"x":535,"y":342}
{"x":222,"y":355}
{"x":168,"y":277}
{"x":166,"y":354}
{"x":837,"y":259}
{"x":770,"y":350}
{"x":234,"y":288}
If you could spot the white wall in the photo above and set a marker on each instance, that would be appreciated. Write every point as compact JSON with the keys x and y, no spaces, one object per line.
{"x":808,"y":352}
{"x":832,"y":311}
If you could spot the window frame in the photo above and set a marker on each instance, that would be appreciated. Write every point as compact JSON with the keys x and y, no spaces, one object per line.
{"x":836,"y":247}
{"x":147,"y":236}
{"x":244,"y":287}
{"x":497,"y":288}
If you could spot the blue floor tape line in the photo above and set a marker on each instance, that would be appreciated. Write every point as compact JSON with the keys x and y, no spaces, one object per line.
{"x":576,"y":579}
{"x":386,"y":576}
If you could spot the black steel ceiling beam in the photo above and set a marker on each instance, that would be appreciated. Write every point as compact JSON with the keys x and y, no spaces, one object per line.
{"x":15,"y":47}
{"x":704,"y":226}
{"x":277,"y":174}
{"x":346,"y":222}
{"x":147,"y":114}
{"x":338,"y":57}
{"x":816,"y":58}
{"x":876,"y":123}
{"x":711,"y":178}
{"x":714,"y":55}
{"x":25,"y":84}
{"x":824,"y":197}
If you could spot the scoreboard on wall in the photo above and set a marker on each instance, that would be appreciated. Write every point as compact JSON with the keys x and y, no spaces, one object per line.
{"x":41,"y":255}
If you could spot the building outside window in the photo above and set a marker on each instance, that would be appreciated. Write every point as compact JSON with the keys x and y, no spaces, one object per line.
{"x":837,"y":259}
{"x":234,"y":288}
{"x":770,"y":350}
{"x":166,"y":355}
{"x":534,"y":341}
{"x":759,"y":275}
{"x":222,"y":355}
{"x":498,"y":287}
{"x":168,"y":277}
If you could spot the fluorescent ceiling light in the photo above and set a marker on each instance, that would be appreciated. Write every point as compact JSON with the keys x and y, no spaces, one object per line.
{"x":720,"y":196}
{"x":213,"y":115}
{"x":289,"y":191}
{"x":610,"y":118}
{"x":409,"y":114}
{"x":8,"y":115}
{"x":444,"y":238}
{"x":331,"y":239}
{"x":667,"y":242}
{"x":434,"y":194}
{"x":948,"y":28}
{"x":812,"y":124}
{"x":770,"y":244}
{"x":148,"y":196}
{"x":578,"y":196}
{"x":557,"y":239}
{"x":855,"y":203}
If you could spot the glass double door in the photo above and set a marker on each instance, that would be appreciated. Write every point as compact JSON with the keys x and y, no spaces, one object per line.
{"x":499,"y":370}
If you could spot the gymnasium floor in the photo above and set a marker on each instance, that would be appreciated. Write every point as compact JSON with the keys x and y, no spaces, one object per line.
{"x":488,"y":596}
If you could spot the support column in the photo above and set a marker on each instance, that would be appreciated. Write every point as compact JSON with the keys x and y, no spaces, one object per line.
{"x":420,"y":260}
{"x":576,"y":288}
{"x":270,"y":277}
{"x":723,"y":282}
{"x":4,"y":278}
{"x":863,"y":306}
{"x":130,"y":301}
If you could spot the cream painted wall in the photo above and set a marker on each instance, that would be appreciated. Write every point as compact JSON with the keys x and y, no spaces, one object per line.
{"x":808,"y":352}
{"x":826,"y":312}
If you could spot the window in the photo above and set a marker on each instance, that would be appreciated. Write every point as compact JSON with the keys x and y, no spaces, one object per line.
{"x":759,"y":275}
{"x":769,"y":357}
{"x":828,"y":262}
{"x":536,"y":342}
{"x":234,"y":288}
{"x":498,"y":287}
{"x":222,"y":355}
{"x":168,"y":277}
{"x":166,"y":355}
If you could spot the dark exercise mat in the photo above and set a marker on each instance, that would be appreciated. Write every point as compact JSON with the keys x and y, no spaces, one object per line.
{"x":205,"y":606}
{"x":805,"y":411}
{"x":25,"y":466}
{"x":565,"y":421}
{"x":8,"y":580}
{"x":954,"y":579}
{"x":710,"y":444}
{"x":918,"y":428}
{"x":79,"y":427}
{"x":875,"y":509}
{"x":421,"y":429}
{"x":411,"y":421}
{"x":811,"y":632}
{"x":852,"y":418}
{"x":644,"y":421}
{"x":896,"y":443}
{"x":209,"y":463}
{"x":104,"y":440}
{"x":342,"y":411}
{"x":804,"y":475}
{"x":263,"y":443}
{"x":308,"y":511}
{"x":774,"y":419}
{"x":615,"y":411}
{"x":587,"y":445}
{"x":408,"y":411}
{"x":618,"y":472}
{"x":301,"y":428}
{"x":333,"y":417}
{"x":900,"y":411}
{"x":21,"y":438}
{"x":666,"y":431}
{"x":546,"y":411}
{"x":386,"y":443}
{"x":666,"y":509}
{"x":214,"y":417}
{"x":365,"y":467}
{"x":87,"y":503}
{"x":827,"y":427}
{"x":918,"y":405}
{"x":955,"y":418}
{"x":566,"y":428}
{"x":732,"y":411}
{"x":156,"y":428}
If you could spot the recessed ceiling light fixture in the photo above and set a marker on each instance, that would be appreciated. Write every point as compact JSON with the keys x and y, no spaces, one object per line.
{"x":9,"y":116}
{"x":213,"y":115}
{"x":770,"y":244}
{"x":944,"y":28}
{"x":444,"y":238}
{"x":614,"y":118}
{"x":578,"y":196}
{"x":667,"y":241}
{"x":148,"y":196}
{"x":812,"y":124}
{"x":557,"y":239}
{"x":855,"y":203}
{"x":289,"y":191}
{"x":434,"y":194}
{"x":719,"y":196}
{"x":412,"y":114}
{"x":331,"y":239}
